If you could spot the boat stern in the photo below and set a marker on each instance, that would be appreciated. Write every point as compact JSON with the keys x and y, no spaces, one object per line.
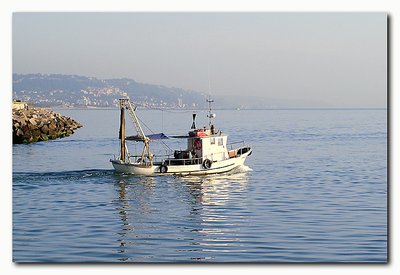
{"x":133,"y":168}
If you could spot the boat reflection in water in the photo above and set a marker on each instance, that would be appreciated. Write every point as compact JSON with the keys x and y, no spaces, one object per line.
{"x":170,"y":219}
{"x":216,"y":189}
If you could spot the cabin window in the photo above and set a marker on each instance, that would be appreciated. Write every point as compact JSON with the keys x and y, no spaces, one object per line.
{"x":220,"y":142}
{"x":212,"y":140}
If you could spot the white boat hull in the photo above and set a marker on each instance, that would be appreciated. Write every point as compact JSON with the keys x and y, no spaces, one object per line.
{"x":183,"y":170}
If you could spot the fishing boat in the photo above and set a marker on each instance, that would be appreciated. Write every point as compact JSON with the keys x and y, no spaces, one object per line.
{"x":207,"y":152}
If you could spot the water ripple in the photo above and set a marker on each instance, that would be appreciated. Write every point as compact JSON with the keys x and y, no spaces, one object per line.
{"x":314,"y":190}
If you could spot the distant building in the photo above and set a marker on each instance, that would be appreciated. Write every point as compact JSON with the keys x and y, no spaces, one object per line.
{"x":19,"y":105}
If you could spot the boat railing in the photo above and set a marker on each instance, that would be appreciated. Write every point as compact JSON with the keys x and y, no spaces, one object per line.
{"x":195,"y":160}
{"x":185,"y":161}
{"x":137,"y":158}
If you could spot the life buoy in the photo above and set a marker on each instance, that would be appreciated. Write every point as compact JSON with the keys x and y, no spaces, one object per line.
{"x":207,"y":164}
{"x":200,"y":132}
{"x":197,"y":144}
{"x":163,"y":168}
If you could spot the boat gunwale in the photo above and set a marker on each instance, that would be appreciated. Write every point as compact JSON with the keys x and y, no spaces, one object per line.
{"x":202,"y":171}
{"x":162,"y":162}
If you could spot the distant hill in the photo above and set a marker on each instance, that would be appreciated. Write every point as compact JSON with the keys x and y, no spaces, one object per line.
{"x":57,"y":90}
{"x":49,"y":90}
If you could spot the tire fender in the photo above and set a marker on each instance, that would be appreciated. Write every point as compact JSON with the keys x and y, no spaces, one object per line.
{"x":207,"y":164}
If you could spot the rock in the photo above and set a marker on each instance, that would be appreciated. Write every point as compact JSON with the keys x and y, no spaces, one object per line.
{"x":44,"y":137}
{"x":31,"y":125}
{"x":40,"y":124}
{"x":45,"y":129}
{"x":36,"y":133}
{"x":32,"y":121}
{"x":52,"y":126}
{"x":52,"y":133}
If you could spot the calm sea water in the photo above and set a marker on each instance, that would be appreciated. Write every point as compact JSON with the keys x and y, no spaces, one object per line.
{"x":314,"y":190}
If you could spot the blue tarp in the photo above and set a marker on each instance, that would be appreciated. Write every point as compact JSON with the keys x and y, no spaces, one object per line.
{"x":151,"y":137}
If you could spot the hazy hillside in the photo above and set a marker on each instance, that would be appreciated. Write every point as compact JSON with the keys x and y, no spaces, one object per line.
{"x":81,"y":91}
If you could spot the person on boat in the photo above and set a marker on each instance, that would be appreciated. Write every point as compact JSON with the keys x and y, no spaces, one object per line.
{"x":191,"y":156}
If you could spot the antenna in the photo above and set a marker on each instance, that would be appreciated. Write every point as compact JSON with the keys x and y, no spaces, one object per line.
{"x":209,"y":100}
{"x":210,"y":114}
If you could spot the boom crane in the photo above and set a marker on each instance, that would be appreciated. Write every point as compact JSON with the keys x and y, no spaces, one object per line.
{"x":125,"y":103}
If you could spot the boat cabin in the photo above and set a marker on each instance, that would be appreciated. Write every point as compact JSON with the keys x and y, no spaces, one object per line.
{"x":206,"y":145}
{"x":202,"y":144}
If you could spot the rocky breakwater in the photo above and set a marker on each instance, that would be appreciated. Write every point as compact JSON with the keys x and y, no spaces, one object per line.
{"x":32,"y":125}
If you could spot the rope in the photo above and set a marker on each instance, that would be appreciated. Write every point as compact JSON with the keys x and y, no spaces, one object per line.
{"x":154,"y":133}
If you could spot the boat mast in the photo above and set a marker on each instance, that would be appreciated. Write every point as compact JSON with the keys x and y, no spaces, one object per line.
{"x":122,"y":131}
{"x":126,"y":103}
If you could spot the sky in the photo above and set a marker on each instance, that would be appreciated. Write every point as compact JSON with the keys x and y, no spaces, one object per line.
{"x":330,"y":59}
